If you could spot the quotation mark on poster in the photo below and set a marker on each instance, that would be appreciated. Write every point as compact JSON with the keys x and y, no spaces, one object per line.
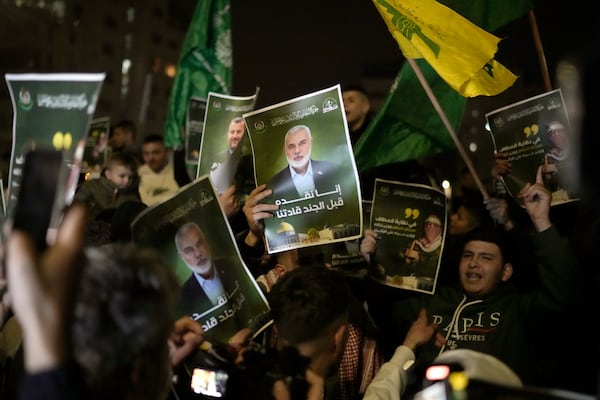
{"x":531,"y":130}
{"x":62,"y":141}
{"x":411,"y":213}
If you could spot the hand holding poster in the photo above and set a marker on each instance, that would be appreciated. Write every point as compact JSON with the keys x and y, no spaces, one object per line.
{"x":191,"y":231}
{"x":534,"y":134}
{"x":410,"y":221}
{"x":302,"y":152}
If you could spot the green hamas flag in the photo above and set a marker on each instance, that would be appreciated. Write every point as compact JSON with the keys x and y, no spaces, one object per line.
{"x":204,"y":65}
{"x":407,"y":126}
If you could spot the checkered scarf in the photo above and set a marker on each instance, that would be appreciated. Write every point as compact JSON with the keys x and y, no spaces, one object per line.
{"x":360,"y":362}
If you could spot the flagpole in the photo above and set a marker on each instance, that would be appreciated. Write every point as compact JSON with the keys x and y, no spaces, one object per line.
{"x":540,"y":50}
{"x":448,"y":126}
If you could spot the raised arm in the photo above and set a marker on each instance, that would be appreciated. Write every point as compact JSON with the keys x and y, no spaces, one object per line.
{"x":391,"y":379}
{"x":553,"y":253}
{"x":40,"y":286}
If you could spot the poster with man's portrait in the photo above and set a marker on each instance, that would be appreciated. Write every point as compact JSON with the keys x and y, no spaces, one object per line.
{"x":536,"y":138}
{"x":410,"y":221}
{"x":96,"y":148}
{"x":191,"y":231}
{"x":302,"y":152}
{"x":193,"y":130}
{"x":225,"y":153}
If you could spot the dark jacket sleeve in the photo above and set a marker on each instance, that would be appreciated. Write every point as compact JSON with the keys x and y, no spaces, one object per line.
{"x":253,"y":257}
{"x":179,"y":169}
{"x":556,"y":267}
{"x":62,"y":383}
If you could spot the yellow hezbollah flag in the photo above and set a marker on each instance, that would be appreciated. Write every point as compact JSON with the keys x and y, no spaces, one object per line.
{"x":458,"y":50}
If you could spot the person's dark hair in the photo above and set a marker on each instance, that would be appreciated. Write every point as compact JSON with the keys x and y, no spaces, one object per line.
{"x":127,"y":125}
{"x":122,"y":318}
{"x":122,"y":218}
{"x":306,"y":301}
{"x":237,"y":120}
{"x":153,"y":138}
{"x":490,"y":234}
{"x":125,"y":158}
{"x":97,"y":233}
{"x":260,"y":368}
{"x":474,"y":205}
{"x":355,"y":87}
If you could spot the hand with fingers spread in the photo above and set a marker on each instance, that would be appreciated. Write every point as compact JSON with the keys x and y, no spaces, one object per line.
{"x":421,"y":331}
{"x":255,"y":212}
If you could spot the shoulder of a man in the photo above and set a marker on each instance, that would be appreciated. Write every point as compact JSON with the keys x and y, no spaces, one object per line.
{"x":323,"y":166}
{"x":189,"y":281}
{"x":221,"y":156}
{"x":225,"y":264}
{"x":144,"y":169}
{"x":282,"y":174}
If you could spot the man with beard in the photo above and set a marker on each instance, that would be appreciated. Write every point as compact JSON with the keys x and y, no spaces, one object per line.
{"x":303,"y":175}
{"x":207,"y":285}
{"x":235,"y":134}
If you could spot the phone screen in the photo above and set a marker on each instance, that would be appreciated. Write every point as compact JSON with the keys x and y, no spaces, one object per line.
{"x":209,"y":382}
{"x":35,"y":206}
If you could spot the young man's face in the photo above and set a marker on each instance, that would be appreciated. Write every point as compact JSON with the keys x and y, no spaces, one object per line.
{"x":461,"y":221}
{"x":120,"y":175}
{"x":120,"y":138}
{"x":482,"y":268}
{"x":356,"y":106}
{"x":297,"y":149}
{"x":155,"y":155}
{"x":193,"y":250}
{"x":235,"y":134}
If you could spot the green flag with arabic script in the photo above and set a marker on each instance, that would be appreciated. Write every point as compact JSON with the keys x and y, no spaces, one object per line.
{"x":205,"y":65}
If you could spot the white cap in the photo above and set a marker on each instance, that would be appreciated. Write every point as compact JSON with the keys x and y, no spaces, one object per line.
{"x":434,"y":220}
{"x":555,"y":125}
{"x":481,"y":366}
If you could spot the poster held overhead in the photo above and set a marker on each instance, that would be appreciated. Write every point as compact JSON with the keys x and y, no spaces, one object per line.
{"x":535,"y":134}
{"x":302,"y":152}
{"x":51,"y":114}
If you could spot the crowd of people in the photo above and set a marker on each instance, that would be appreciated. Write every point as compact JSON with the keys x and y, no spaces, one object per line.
{"x":96,"y":315}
